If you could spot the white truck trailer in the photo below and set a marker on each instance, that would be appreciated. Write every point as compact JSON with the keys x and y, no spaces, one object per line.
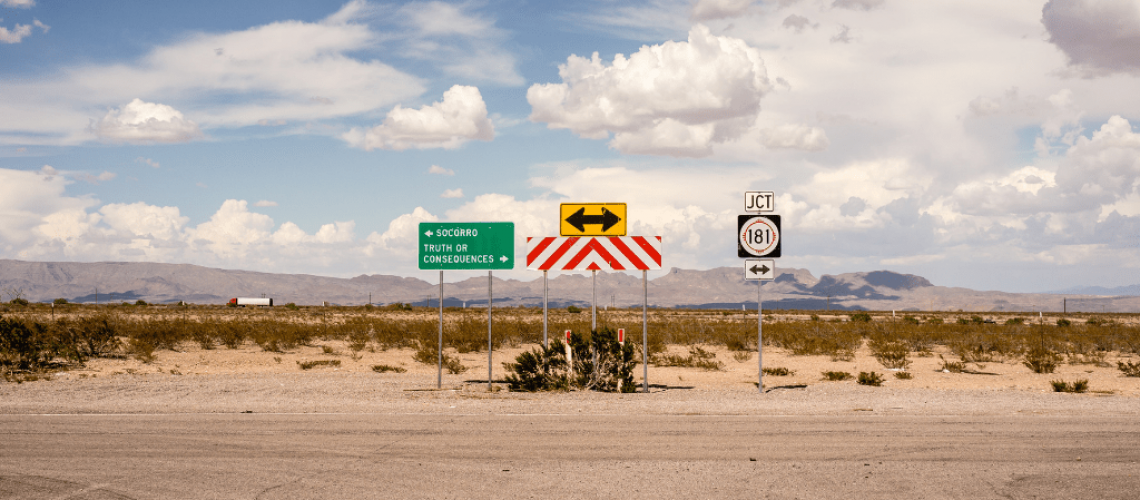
{"x":248,"y":301}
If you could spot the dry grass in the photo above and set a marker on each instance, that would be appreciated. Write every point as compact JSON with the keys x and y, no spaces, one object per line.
{"x":31,"y":341}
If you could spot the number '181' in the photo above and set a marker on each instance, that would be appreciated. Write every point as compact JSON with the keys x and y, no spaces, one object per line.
{"x":760,"y":237}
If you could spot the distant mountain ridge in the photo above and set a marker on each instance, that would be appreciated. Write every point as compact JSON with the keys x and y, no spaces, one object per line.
{"x":723,"y":287}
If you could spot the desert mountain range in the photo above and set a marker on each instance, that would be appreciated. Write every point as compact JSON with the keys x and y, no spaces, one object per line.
{"x":723,"y":287}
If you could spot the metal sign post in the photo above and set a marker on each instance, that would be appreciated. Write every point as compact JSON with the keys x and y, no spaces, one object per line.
{"x":545,"y":339}
{"x":439,"y":374}
{"x":594,"y":300}
{"x":760,"y":270}
{"x":489,"y":345}
{"x":645,"y":332}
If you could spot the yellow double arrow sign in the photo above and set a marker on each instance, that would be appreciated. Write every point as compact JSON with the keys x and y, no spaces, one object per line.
{"x":592,"y":219}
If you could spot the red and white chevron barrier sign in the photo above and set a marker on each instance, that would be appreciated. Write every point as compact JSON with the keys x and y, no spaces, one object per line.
{"x":616,"y":253}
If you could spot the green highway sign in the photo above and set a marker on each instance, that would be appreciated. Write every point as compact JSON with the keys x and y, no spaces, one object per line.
{"x":467,"y":245}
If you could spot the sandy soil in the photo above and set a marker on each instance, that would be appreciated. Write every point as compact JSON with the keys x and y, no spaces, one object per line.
{"x":739,"y":373}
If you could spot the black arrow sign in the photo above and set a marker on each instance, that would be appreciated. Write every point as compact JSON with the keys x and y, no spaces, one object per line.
{"x":579,"y":219}
{"x":762,"y":270}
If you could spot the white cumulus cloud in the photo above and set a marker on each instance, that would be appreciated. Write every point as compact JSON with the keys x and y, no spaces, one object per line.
{"x":677,"y":98}
{"x":460,"y":117}
{"x":265,"y":203}
{"x":402,"y":234}
{"x":438,"y":170}
{"x":20,"y":4}
{"x":20,"y":31}
{"x":142,"y":122}
{"x":452,"y":193}
{"x":143,"y":220}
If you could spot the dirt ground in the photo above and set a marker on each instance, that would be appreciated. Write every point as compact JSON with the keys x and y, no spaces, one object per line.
{"x":739,"y":371}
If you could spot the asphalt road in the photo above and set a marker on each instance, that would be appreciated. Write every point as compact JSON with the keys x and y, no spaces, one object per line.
{"x":861,"y":455}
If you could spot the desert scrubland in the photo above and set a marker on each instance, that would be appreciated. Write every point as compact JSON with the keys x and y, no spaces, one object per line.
{"x":709,"y":350}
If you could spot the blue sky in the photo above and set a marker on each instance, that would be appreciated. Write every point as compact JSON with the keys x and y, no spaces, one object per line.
{"x":989,"y":145}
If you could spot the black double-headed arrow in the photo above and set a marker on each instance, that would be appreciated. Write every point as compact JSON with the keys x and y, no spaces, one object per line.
{"x":762,"y":270}
{"x":580,"y":220}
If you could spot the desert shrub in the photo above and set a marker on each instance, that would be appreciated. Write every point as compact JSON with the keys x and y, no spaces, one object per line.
{"x":201,"y":335}
{"x":739,"y":342}
{"x":452,"y":365}
{"x":25,"y":345}
{"x":397,"y":306}
{"x":815,"y":317}
{"x":903,"y":375}
{"x":952,"y":366}
{"x":1042,"y":360}
{"x":1015,"y":321}
{"x":306,"y":365}
{"x":742,"y":356}
{"x":697,"y":358}
{"x":890,"y":353}
{"x":291,"y":306}
{"x":1095,"y":321}
{"x":1088,"y":358}
{"x":836,"y":376}
{"x":910,"y":320}
{"x":601,"y":363}
{"x":140,"y":302}
{"x":1129,"y":369}
{"x":936,"y":320}
{"x":779,"y":371}
{"x":60,"y":302}
{"x":19,"y":301}
{"x":541,"y":369}
{"x":276,"y":336}
{"x":860,"y":317}
{"x":470,"y":333}
{"x":573,"y":309}
{"x":814,"y":339}
{"x":870,"y":378}
{"x":229,"y":333}
{"x":388,"y":368}
{"x":984,"y":346}
{"x":428,"y":354}
{"x":1078,"y":386}
{"x":87,"y":337}
{"x":142,"y":348}
{"x":162,"y":334}
{"x":1064,"y":322}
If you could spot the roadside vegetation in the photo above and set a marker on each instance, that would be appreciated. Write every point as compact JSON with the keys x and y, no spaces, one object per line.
{"x":38,"y":339}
